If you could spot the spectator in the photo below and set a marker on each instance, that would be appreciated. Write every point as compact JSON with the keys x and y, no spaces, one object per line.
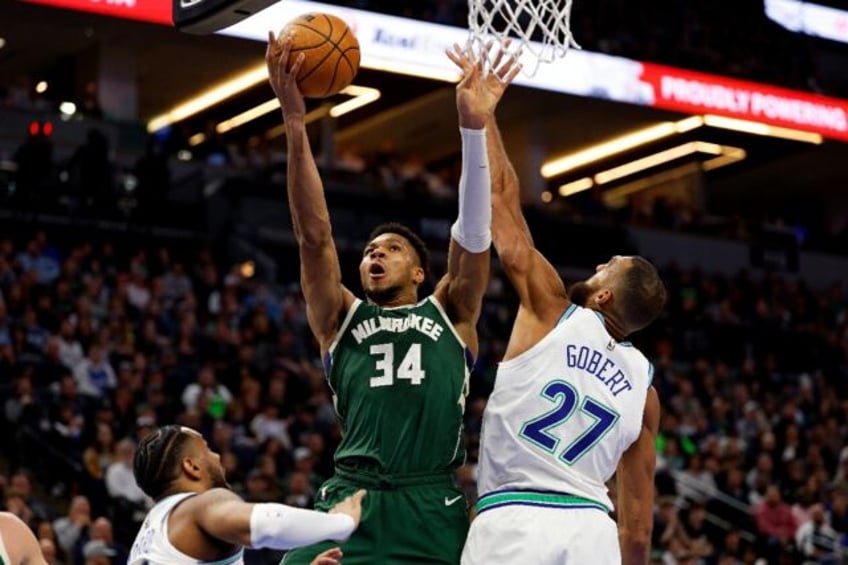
{"x":215,"y":396}
{"x":774,"y":519}
{"x":95,"y":375}
{"x":816,"y":540}
{"x":73,"y":528}
{"x":101,"y":530}
{"x":120,"y":481}
{"x":96,"y":552}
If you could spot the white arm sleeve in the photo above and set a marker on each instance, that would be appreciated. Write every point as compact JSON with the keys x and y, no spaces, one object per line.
{"x":473,"y":226}
{"x":278,"y":526}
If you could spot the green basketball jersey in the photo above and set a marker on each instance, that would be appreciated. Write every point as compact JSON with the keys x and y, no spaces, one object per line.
{"x":399,"y":378}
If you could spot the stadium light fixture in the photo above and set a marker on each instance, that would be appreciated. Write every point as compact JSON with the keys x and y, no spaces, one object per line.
{"x":758,"y":128}
{"x":577,"y":186}
{"x":209,"y":97}
{"x":362,"y":96}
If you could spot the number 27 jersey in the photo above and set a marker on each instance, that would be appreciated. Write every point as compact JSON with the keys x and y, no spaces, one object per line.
{"x":563,"y":412}
{"x":399,"y":378}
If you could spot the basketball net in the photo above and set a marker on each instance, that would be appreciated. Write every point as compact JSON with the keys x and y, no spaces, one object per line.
{"x":539,"y":28}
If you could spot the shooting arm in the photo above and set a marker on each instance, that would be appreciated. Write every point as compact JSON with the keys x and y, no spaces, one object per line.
{"x":635,"y":486}
{"x":320,"y":273}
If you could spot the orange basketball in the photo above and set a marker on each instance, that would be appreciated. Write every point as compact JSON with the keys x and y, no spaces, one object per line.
{"x":331,"y":50}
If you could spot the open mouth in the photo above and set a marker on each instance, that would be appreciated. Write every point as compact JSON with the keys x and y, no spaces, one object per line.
{"x":376,"y":271}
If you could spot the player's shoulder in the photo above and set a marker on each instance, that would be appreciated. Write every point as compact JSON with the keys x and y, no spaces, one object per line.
{"x":11,"y":523}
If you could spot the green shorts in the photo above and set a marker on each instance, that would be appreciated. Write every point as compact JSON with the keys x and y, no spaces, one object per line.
{"x":405,"y":519}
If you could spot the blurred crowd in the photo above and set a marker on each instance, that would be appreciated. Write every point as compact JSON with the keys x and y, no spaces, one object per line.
{"x":99,"y":344}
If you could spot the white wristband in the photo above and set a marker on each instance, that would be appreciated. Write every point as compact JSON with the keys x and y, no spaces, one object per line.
{"x":473,"y":227}
{"x":278,"y":526}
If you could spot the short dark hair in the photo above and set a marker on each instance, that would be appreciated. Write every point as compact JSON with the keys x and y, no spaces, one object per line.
{"x":642,"y":294}
{"x":157,"y":460}
{"x":412,"y":237}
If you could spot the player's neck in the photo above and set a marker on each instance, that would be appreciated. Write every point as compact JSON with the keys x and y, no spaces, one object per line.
{"x":395,"y":300}
{"x":613,"y":325}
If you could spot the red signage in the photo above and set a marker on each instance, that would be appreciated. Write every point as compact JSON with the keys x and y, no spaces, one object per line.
{"x":155,"y":11}
{"x":698,"y":93}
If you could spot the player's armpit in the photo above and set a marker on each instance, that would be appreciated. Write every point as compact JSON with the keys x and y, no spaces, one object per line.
{"x":635,"y":486}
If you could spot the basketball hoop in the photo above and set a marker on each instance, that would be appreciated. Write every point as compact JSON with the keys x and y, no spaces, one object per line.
{"x":541,"y":28}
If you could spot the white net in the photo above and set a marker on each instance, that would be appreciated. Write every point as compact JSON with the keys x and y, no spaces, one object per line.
{"x":541,"y":29}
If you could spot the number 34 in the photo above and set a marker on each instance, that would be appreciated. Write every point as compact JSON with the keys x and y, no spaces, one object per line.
{"x":409,"y":369}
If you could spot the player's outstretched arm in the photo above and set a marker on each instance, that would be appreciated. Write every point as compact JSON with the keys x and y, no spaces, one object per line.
{"x":222,"y":514}
{"x":635,"y":486}
{"x":320,"y":273}
{"x":20,"y":542}
{"x":477,"y":95}
{"x":539,"y":286}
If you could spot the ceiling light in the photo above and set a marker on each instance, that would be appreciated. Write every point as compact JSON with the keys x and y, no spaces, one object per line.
{"x":758,"y":128}
{"x":362,"y":95}
{"x":656,"y":159}
{"x":68,"y":108}
{"x":210,"y":97}
{"x":2,"y":42}
{"x":577,"y":186}
{"x":41,"y":87}
{"x":606,"y":149}
{"x":197,"y":139}
{"x":310,"y":117}
{"x":666,"y":156}
{"x":248,"y":115}
{"x":547,"y":197}
{"x":728,"y":157}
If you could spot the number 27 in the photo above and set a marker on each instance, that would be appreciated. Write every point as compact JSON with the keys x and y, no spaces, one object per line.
{"x":566,"y":397}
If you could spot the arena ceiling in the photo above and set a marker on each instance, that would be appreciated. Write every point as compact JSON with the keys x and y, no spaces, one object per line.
{"x":172,"y":66}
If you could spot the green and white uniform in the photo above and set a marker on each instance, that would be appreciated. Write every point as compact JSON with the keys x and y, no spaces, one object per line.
{"x":399,"y":378}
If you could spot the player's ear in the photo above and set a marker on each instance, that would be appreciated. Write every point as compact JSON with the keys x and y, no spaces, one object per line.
{"x":418,"y":275}
{"x":603,"y":297}
{"x":191,"y":468}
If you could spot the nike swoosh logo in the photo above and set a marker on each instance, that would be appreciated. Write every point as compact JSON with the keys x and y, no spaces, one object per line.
{"x":450,"y":501}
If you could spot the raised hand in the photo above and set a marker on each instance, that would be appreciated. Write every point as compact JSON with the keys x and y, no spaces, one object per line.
{"x":482,"y":86}
{"x":329,"y":557}
{"x":352,"y":506}
{"x":283,"y":81}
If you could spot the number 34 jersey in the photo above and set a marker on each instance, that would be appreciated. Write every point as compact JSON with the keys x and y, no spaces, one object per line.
{"x":399,"y":378}
{"x":563,"y":412}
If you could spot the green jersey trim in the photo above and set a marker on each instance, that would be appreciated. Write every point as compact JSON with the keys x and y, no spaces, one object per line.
{"x":448,"y":321}
{"x":533,"y":498}
{"x":345,"y":323}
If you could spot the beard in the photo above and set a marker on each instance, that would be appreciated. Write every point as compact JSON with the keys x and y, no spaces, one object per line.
{"x":216,"y":473}
{"x":382,"y":295}
{"x":580,"y":292}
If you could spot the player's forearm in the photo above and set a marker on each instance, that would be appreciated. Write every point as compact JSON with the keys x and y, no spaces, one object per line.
{"x":473,"y":227}
{"x":310,"y":216}
{"x":278,"y":526}
{"x":635,"y":549}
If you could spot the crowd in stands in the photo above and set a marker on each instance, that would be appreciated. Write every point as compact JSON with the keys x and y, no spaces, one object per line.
{"x":101,"y":343}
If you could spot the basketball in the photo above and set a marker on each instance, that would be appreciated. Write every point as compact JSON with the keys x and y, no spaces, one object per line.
{"x":331,"y":50}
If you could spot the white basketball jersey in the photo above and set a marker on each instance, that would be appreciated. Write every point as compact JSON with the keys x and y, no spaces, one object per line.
{"x":4,"y":555}
{"x":561,"y":415}
{"x":152,"y":546}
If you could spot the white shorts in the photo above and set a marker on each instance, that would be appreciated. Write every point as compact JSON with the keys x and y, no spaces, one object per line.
{"x":523,"y":535}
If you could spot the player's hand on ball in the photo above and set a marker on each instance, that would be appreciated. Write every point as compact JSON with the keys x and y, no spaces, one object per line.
{"x":329,"y":557}
{"x":283,"y":80}
{"x":480,"y":90}
{"x":352,"y":506}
